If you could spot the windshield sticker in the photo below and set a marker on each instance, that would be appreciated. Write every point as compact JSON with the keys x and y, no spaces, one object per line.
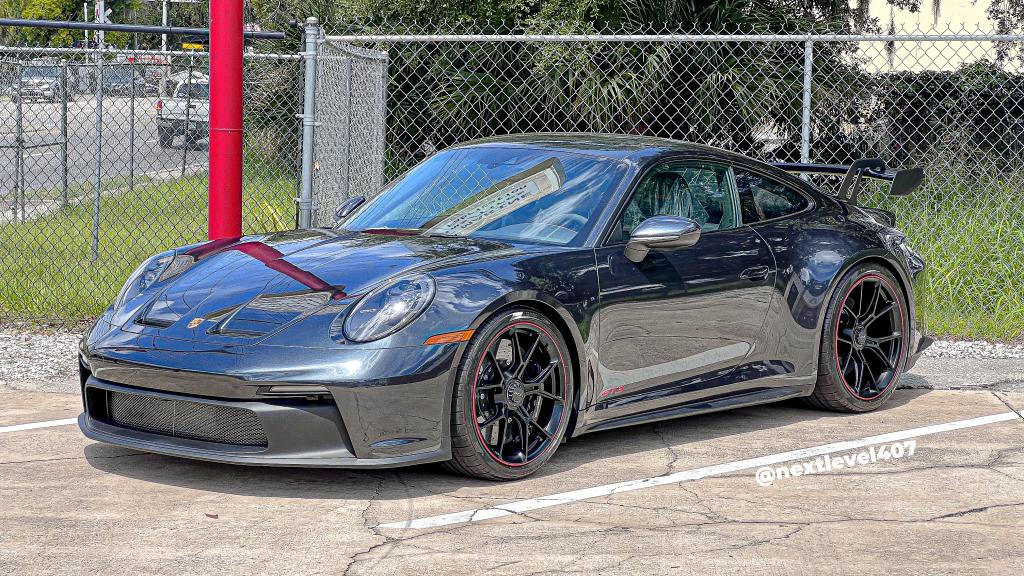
{"x":502,"y":199}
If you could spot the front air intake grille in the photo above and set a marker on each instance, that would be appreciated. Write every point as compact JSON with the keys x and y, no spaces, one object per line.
{"x":186,"y":419}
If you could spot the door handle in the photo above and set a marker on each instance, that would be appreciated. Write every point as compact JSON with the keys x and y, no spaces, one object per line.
{"x":755,"y":273}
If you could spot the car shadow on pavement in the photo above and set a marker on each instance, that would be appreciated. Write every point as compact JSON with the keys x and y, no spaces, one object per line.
{"x":431,"y":479}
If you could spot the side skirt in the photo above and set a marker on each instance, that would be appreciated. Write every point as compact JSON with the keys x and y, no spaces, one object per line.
{"x":750,"y":398}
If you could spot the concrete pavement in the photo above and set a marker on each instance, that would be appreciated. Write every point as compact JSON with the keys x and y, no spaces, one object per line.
{"x":955,"y":506}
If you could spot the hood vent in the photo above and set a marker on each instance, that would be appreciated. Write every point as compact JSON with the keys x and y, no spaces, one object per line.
{"x":265,"y":314}
{"x":153,"y":322}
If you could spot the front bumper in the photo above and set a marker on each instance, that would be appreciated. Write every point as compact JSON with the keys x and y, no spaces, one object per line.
{"x":295,"y":431}
{"x":376,"y":408}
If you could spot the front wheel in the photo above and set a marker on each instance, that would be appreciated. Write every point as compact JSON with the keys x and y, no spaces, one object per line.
{"x":864,"y":342}
{"x":512,"y":398}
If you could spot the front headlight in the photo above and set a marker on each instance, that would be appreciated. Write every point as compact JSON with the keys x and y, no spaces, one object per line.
{"x":147,"y":274}
{"x":389,"y":308}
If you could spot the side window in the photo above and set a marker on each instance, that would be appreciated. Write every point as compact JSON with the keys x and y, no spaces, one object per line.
{"x":763,"y":199}
{"x":700,"y":191}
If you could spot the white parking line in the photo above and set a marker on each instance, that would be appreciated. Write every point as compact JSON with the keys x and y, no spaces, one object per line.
{"x":34,"y":425}
{"x":689,"y":475}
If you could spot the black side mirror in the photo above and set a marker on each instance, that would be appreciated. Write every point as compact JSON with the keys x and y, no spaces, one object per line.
{"x":347,"y":207}
{"x":661,"y":232}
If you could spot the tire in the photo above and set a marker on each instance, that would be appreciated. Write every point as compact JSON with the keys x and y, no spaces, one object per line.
{"x":191,"y":139}
{"x":165,"y":137}
{"x":494,"y":384}
{"x":864,"y":350}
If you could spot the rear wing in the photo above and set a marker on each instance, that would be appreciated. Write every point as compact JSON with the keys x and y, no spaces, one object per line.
{"x":904,"y":182}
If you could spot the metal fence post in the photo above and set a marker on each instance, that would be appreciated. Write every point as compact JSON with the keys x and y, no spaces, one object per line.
{"x":805,"y":129}
{"x":347,"y":179}
{"x":382,"y":116}
{"x":188,"y":120}
{"x":97,"y":172}
{"x":131,"y":131}
{"x":312,"y":33}
{"x":19,"y":159}
{"x":64,"y":133}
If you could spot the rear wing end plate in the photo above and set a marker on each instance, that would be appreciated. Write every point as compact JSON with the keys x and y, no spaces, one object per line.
{"x":904,"y":182}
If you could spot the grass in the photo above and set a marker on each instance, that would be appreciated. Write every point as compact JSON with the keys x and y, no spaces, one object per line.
{"x":47,"y":267}
{"x":968,"y":227}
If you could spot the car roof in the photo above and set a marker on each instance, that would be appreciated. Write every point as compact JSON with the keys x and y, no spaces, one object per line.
{"x":641,"y":151}
{"x":617,"y":146}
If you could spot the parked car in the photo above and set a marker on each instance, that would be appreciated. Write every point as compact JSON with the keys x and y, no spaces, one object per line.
{"x":124,"y":80}
{"x":504,"y":295}
{"x":186,"y":113}
{"x":40,"y":83}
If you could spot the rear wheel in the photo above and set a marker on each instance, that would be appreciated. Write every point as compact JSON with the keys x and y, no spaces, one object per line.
{"x":864,"y":342}
{"x":512,"y":397}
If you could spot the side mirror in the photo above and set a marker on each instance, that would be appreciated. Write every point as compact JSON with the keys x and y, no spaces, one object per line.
{"x":347,"y":207}
{"x":661,"y":232}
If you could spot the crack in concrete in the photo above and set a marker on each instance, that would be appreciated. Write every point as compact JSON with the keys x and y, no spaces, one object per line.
{"x":657,"y":428}
{"x":369,"y":526}
{"x":1007,"y":404}
{"x":963,"y":513}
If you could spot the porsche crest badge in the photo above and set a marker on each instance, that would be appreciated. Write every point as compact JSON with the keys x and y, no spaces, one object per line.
{"x":195,"y":322}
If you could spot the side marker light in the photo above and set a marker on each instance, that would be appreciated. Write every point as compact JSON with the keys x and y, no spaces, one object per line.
{"x":460,"y":336}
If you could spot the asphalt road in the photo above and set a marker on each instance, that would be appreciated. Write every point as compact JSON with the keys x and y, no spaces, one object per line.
{"x":41,"y":123}
{"x":675,"y":497}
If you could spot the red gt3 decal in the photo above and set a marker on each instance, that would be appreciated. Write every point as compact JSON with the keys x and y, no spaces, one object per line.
{"x":612,"y":391}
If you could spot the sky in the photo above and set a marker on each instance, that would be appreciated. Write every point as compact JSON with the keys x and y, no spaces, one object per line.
{"x":955,"y":16}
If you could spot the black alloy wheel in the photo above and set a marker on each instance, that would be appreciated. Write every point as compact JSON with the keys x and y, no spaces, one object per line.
{"x":864,"y":342}
{"x":512,"y":398}
{"x":869,"y":337}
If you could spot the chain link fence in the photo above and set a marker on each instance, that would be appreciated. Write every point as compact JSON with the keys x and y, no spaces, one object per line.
{"x":349,"y":145}
{"x":104,"y":162}
{"x":388,"y":95}
{"x":949,"y":101}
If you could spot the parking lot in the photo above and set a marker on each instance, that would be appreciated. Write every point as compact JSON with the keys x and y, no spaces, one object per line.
{"x":956,"y":504}
{"x":41,"y":124}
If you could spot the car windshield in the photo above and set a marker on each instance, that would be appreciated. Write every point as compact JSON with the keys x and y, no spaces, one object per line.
{"x":520,"y":194}
{"x":35,"y":72}
{"x":200,"y":91}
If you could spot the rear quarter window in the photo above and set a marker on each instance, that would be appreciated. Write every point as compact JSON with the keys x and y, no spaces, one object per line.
{"x":764,"y":199}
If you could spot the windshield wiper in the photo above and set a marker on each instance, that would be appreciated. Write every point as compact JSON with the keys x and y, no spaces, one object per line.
{"x":390,"y":231}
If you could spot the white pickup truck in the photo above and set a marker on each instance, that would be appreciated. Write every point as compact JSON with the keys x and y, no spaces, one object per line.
{"x":186,"y":112}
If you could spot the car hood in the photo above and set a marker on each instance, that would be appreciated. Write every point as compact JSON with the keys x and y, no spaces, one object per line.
{"x":250,"y":287}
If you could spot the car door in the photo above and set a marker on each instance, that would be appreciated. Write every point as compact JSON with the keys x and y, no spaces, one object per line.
{"x":671,"y":323}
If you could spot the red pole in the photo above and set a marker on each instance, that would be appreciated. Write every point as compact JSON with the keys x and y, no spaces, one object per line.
{"x":225,"y":118}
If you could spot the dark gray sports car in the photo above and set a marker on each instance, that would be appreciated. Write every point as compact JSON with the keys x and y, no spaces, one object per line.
{"x":504,"y":295}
